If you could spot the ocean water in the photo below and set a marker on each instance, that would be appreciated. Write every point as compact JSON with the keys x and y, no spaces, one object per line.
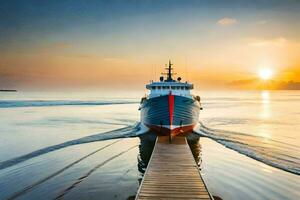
{"x":88,"y":145}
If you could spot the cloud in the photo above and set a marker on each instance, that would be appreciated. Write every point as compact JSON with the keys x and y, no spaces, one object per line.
{"x":114,"y":60}
{"x":61,"y":45}
{"x":100,"y":58}
{"x":226,"y":21}
{"x":243,"y":82}
{"x":291,"y":85}
{"x":269,"y":85}
{"x":55,"y":46}
{"x":262,"y":22}
{"x":279,"y":41}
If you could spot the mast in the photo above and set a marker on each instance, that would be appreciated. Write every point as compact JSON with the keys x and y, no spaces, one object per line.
{"x":169,"y":74}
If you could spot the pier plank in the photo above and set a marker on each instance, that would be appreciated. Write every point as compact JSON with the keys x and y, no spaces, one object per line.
{"x":172,"y":173}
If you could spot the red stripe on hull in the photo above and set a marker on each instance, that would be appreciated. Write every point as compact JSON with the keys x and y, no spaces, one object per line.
{"x":171,"y":108}
{"x":176,"y":131}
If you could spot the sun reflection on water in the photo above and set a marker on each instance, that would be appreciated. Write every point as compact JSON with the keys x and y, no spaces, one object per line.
{"x":265,"y":114}
{"x":265,"y":105}
{"x":265,"y":96}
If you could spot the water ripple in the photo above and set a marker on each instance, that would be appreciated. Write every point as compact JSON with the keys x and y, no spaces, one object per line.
{"x":274,"y":153}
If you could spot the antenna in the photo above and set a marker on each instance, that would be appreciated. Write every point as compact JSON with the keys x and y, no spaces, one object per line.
{"x":169,"y":73}
{"x":186,"y":69}
{"x":154,"y":72}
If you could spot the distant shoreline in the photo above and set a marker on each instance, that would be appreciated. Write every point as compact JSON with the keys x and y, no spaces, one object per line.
{"x":8,"y":91}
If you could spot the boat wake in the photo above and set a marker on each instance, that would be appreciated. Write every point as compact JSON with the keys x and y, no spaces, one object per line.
{"x":129,"y":131}
{"x":35,"y":184}
{"x":44,"y":103}
{"x":80,"y":179}
{"x":268,"y":151}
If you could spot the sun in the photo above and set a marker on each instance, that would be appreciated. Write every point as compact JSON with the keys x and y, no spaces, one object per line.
{"x":265,"y":74}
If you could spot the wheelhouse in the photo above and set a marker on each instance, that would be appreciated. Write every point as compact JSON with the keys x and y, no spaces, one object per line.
{"x":169,"y":85}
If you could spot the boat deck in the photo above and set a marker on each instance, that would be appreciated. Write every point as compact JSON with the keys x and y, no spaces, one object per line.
{"x":172,"y":173}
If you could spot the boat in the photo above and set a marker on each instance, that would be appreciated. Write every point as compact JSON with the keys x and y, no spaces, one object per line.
{"x":169,"y":108}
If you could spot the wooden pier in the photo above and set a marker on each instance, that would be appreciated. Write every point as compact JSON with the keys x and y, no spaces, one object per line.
{"x":172,"y":173}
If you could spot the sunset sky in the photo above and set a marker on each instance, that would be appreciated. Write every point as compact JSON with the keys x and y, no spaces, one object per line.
{"x":124,"y":44}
